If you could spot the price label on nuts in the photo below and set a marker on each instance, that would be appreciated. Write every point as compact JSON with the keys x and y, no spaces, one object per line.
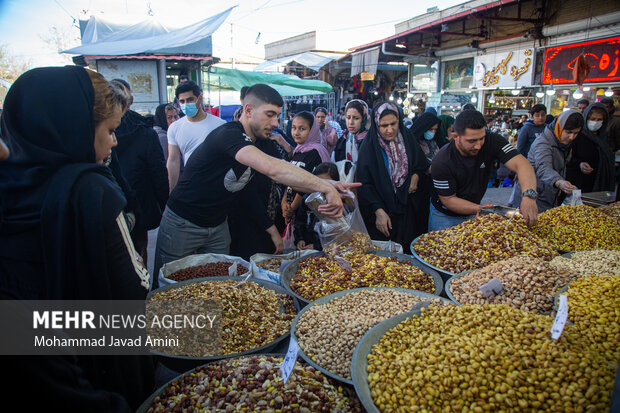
{"x":289,"y":361}
{"x":560,"y":318}
{"x":492,"y":288}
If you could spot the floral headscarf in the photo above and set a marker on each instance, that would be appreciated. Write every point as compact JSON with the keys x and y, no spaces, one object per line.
{"x":395,"y":149}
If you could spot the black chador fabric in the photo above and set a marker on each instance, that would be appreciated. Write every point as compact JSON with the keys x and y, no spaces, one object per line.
{"x":406,"y":211}
{"x":58,"y":230}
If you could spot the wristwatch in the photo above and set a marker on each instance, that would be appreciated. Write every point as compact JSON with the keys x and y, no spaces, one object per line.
{"x":530,"y":193}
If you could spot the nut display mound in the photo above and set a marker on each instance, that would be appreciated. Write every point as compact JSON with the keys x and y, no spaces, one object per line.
{"x":328,"y":332}
{"x":590,"y":263}
{"x":271,"y":264}
{"x":530,"y":284}
{"x":479,"y":242}
{"x":613,"y":210}
{"x":320,"y":276}
{"x":594,"y":307}
{"x":252,"y":315}
{"x":254,"y":384}
{"x":577,"y":228}
{"x":212,"y":269}
{"x":487,"y":358}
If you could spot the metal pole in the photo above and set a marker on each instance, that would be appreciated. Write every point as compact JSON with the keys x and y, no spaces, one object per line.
{"x":219,"y":93}
{"x":209,"y":84}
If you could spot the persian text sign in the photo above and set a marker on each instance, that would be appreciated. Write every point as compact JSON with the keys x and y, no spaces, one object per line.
{"x":603,"y":57}
{"x":504,"y":69}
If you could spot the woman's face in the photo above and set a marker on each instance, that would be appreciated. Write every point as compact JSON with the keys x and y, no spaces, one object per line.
{"x":569,"y":135}
{"x":300,"y":130}
{"x":388,"y":127}
{"x":171,"y":116}
{"x":451,"y":133}
{"x":354,"y":120}
{"x":434,"y":128}
{"x":321,"y":118}
{"x":105,"y":139}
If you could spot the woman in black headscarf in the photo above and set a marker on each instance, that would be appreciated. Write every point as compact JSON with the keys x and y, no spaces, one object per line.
{"x":392,"y":201}
{"x":62,"y":230}
{"x":591,"y":167}
{"x":424,"y":130}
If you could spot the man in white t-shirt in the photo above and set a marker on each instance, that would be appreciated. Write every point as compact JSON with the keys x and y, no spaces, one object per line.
{"x":187,"y":133}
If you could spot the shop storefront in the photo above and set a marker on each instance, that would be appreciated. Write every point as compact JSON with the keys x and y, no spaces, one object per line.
{"x":505,"y":81}
{"x":603,"y":79}
{"x":422,"y":85}
{"x":456,"y":86}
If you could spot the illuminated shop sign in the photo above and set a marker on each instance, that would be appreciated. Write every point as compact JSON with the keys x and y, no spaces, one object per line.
{"x":603,"y":57}
{"x":504,"y":69}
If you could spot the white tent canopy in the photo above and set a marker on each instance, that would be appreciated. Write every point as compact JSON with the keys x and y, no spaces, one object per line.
{"x":103,"y":38}
{"x":312,"y":60}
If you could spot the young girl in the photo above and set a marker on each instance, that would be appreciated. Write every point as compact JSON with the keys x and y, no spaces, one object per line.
{"x":307,"y":155}
{"x":306,"y":237}
{"x":348,"y":146}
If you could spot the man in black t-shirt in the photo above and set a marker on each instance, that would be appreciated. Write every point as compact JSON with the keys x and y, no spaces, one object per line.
{"x":194,"y":221}
{"x":461,"y":171}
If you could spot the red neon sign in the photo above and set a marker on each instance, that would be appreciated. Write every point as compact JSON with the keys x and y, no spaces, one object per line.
{"x":603,"y":56}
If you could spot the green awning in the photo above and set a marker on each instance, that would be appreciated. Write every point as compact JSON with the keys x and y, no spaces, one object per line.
{"x":286,"y":85}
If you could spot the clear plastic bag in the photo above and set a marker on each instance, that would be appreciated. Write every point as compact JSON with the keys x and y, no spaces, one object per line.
{"x":341,"y":237}
{"x":288,"y":238}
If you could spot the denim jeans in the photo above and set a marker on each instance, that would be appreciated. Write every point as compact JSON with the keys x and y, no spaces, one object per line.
{"x":438,"y":220}
{"x":177,"y":238}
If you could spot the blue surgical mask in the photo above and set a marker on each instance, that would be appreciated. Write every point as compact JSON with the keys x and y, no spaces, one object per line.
{"x":189,"y":109}
{"x":429,"y":135}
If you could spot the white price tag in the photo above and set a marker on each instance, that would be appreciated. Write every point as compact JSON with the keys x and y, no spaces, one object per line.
{"x":560,"y":318}
{"x":493,"y":287}
{"x":289,"y":360}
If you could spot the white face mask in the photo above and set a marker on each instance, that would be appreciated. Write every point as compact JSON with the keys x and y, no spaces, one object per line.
{"x":595,"y":125}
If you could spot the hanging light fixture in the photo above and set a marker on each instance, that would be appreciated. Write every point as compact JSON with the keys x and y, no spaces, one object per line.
{"x":376,"y":93}
{"x":492,"y":98}
{"x":391,"y":97}
{"x":586,"y":88}
{"x":516,"y":90}
{"x":609,"y":93}
{"x":540,"y":94}
{"x":399,"y":101}
{"x":550,"y":91}
{"x":474,"y":99}
{"x":578,"y":94}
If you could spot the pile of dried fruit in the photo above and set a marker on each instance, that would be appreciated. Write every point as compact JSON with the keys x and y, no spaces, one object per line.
{"x":487,"y":358}
{"x":254,"y":384}
{"x":578,"y":228}
{"x":252,"y":315}
{"x":328,"y":333}
{"x":530,"y":284}
{"x":587,"y":263}
{"x":212,"y":269}
{"x":479,"y":242}
{"x":613,"y":210}
{"x":320,"y":276}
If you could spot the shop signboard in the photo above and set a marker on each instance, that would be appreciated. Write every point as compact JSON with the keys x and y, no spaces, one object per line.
{"x":458,"y":74}
{"x":504,"y":70}
{"x":603,"y":57}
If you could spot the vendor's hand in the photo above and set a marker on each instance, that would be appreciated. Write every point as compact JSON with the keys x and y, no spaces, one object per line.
{"x":529,"y":210}
{"x":485,"y":205}
{"x":383,"y":222}
{"x":333,"y":207}
{"x":345,"y":188}
{"x":586,"y":168}
{"x":565,"y":186}
{"x":415,"y":178}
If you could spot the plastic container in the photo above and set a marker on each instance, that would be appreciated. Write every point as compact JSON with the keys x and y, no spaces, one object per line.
{"x":184,"y":363}
{"x":340,"y":294}
{"x":291,"y":269}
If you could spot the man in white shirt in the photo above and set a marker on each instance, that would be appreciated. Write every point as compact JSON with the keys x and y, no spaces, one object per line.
{"x":187,"y":133}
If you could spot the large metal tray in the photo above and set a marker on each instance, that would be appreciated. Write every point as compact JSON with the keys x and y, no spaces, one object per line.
{"x":360,"y":357}
{"x":340,"y":294}
{"x":184,"y":363}
{"x":445,"y":274}
{"x":291,"y":269}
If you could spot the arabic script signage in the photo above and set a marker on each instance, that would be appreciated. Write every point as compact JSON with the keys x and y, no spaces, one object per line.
{"x":504,"y":69}
{"x":603,"y":57}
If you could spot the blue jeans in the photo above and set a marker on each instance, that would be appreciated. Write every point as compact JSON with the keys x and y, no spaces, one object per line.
{"x":438,"y":220}
{"x":177,"y":238}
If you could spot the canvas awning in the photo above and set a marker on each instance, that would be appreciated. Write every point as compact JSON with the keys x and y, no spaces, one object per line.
{"x":286,"y":85}
{"x":312,"y":60}
{"x":149,"y":36}
{"x":365,"y":61}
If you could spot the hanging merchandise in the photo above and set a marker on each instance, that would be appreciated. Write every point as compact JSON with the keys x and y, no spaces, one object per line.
{"x":581,"y":70}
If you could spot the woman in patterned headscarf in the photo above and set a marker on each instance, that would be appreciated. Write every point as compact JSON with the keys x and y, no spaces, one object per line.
{"x":389,"y":167}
